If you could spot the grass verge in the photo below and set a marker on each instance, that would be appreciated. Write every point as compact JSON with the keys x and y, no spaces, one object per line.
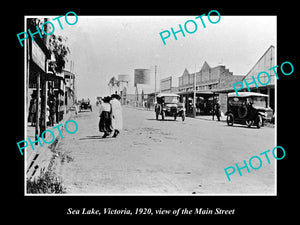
{"x":46,"y":183}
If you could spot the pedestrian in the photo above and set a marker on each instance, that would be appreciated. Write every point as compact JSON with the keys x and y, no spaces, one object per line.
{"x":76,"y":107}
{"x":148,"y":105}
{"x":100,"y":101}
{"x":47,"y":115}
{"x":116,"y":114}
{"x":217,"y":110}
{"x":52,"y":105}
{"x":105,"y":117}
{"x":32,"y":110}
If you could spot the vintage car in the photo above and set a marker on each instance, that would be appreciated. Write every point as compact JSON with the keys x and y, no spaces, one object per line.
{"x":169,"y":105}
{"x":248,"y":108}
{"x":85,"y":104}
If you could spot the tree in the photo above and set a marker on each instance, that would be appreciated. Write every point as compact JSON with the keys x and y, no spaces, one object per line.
{"x":60,"y":51}
{"x":57,"y":44}
{"x":113,"y":82}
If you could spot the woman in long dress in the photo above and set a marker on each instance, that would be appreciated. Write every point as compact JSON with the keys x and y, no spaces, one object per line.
{"x":105,"y":117}
{"x":32,"y":110}
{"x":116,"y":114}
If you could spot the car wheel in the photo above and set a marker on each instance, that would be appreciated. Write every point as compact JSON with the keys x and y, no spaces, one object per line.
{"x":230,"y":119}
{"x":258,"y":121}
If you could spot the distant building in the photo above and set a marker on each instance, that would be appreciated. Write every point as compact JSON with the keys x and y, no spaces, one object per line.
{"x":123,"y":82}
{"x":166,"y":86}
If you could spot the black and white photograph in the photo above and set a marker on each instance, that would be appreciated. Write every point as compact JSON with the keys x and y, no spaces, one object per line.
{"x":152,"y":118}
{"x":177,"y":108}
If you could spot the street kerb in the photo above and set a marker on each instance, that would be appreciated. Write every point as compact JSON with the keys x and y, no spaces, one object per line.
{"x":209,"y":118}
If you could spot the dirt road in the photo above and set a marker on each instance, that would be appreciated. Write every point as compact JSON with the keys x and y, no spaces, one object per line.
{"x":163,"y":157}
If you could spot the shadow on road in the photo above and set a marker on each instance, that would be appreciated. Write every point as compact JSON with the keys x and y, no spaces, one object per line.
{"x":242,"y":126}
{"x":164,"y":120}
{"x":94,"y":137}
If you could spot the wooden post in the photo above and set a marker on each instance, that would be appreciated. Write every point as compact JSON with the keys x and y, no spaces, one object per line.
{"x":194,"y":93}
{"x":155,"y":85}
{"x":213,"y":107}
{"x":27,"y":78}
{"x":43,"y":103}
{"x":44,"y":85}
{"x":37,"y":121}
{"x":269,"y":94}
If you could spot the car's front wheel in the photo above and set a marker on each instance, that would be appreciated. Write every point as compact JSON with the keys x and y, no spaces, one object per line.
{"x":230,"y":119}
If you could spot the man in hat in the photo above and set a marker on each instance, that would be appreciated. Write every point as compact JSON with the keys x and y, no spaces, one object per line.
{"x":218,"y":110}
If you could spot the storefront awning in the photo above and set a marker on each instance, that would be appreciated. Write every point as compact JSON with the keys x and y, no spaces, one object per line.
{"x":53,"y":77}
{"x":197,"y":92}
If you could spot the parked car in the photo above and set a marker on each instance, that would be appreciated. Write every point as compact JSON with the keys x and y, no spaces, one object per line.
{"x":169,"y":105}
{"x":248,"y":108}
{"x":85,"y":104}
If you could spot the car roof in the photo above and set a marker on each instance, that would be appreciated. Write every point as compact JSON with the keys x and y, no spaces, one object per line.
{"x":246,"y":94}
{"x":167,"y":94}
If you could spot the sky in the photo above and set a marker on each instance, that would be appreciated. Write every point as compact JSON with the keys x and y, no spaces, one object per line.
{"x":105,"y":46}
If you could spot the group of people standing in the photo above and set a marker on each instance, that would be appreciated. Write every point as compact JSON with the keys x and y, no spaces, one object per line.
{"x":51,"y":109}
{"x":110,"y":113}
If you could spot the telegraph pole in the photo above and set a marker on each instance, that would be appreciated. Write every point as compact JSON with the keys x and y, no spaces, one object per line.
{"x":155,"y":83}
{"x":194,"y":97}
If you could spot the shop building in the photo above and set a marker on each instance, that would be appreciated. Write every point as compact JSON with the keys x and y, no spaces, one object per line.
{"x":47,"y":92}
{"x":166,"y":85}
{"x":70,"y":89}
{"x":264,"y":63}
{"x":202,"y":87}
{"x":37,"y":58}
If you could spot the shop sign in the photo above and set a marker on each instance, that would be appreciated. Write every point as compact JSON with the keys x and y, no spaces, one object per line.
{"x":38,"y":56}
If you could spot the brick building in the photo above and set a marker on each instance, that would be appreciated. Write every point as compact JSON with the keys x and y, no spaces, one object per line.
{"x":166,"y":86}
{"x":208,"y":81}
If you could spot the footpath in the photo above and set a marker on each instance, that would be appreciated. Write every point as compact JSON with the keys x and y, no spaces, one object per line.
{"x":38,"y":160}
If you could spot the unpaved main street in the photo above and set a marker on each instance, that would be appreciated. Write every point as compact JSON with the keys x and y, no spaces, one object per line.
{"x":163,"y":157}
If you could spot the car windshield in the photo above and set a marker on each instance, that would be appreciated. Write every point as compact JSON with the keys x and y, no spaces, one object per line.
{"x":171,"y":99}
{"x":259,"y":101}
